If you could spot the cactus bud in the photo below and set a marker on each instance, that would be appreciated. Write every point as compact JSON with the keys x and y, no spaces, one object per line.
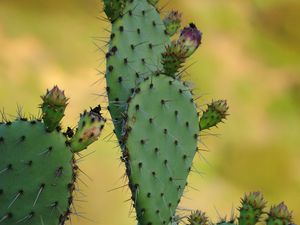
{"x":255,"y":199}
{"x":279,"y":215}
{"x":198,"y":218}
{"x":55,"y":97}
{"x":53,"y":107}
{"x":172,"y":59}
{"x":215,"y":113}
{"x":190,"y":39}
{"x":172,"y":22}
{"x":252,"y":208}
{"x":89,"y":129}
{"x":114,"y":8}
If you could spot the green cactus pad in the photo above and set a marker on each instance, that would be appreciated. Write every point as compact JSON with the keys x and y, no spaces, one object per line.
{"x":37,"y":174}
{"x":137,"y":41}
{"x":161,"y":141}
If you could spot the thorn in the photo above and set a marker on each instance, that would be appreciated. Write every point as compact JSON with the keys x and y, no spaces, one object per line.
{"x":28,"y":217}
{"x":15,"y":198}
{"x":39,"y":193}
{"x":5,"y":217}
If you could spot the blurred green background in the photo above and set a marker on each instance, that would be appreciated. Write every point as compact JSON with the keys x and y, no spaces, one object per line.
{"x":250,"y":56}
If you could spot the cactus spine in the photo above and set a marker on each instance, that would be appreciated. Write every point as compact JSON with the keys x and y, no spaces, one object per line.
{"x":37,"y":166}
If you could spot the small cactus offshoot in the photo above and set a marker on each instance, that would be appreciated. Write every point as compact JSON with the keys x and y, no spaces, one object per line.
{"x":53,"y":107}
{"x":215,"y":113}
{"x":89,"y":129}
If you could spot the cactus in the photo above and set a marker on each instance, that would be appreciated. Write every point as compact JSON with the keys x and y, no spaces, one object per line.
{"x":156,"y":122}
{"x":37,"y":165}
{"x":153,"y":110}
{"x":250,"y":213}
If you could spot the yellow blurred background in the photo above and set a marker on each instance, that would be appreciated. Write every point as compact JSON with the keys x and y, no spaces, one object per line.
{"x":250,"y":55}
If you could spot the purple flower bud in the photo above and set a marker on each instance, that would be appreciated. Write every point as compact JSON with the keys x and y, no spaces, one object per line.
{"x":190,"y":39}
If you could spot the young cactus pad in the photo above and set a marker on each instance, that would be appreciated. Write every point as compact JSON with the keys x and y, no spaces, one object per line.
{"x":216,"y":112}
{"x":161,"y":142}
{"x":37,"y":171}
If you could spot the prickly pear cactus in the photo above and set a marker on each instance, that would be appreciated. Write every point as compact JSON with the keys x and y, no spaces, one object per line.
{"x":156,"y":119}
{"x":37,"y":165}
